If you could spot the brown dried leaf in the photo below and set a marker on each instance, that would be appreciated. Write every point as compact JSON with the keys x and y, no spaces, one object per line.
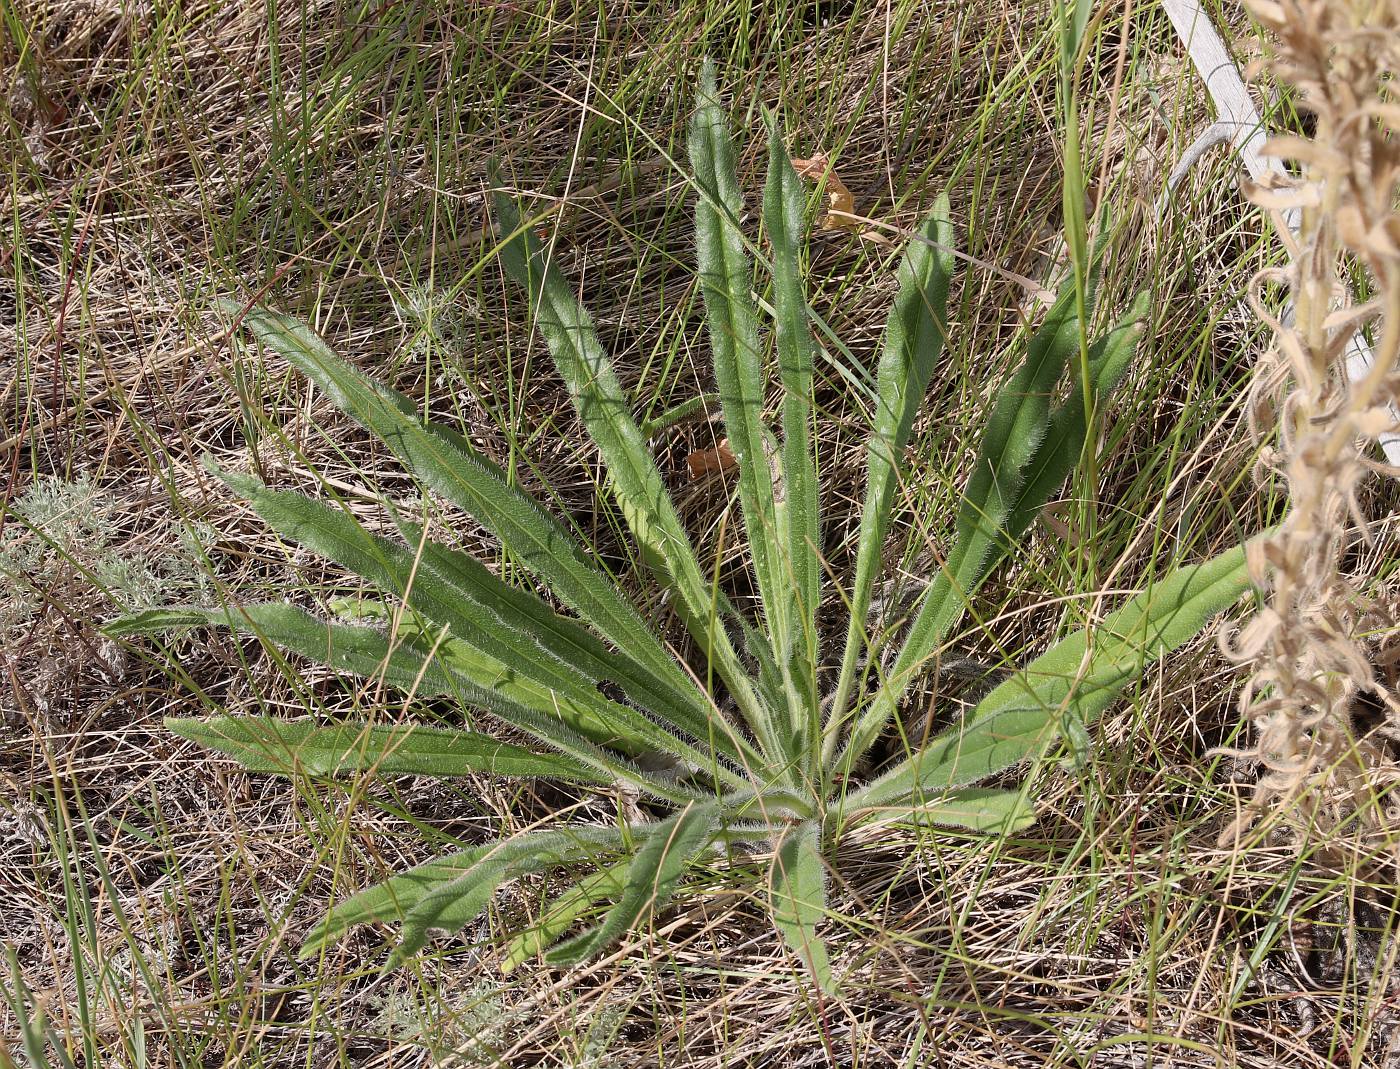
{"x":840,"y":203}
{"x":703,"y":462}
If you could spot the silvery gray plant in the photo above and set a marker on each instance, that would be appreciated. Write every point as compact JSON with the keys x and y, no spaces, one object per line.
{"x":757,"y":745}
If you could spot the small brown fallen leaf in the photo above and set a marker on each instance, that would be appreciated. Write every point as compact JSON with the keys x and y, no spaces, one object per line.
{"x":840,"y":204}
{"x":704,"y":462}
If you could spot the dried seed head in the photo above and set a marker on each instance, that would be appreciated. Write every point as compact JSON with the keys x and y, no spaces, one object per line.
{"x":1309,"y":644}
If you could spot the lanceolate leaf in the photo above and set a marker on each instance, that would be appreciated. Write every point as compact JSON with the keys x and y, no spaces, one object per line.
{"x":797,"y":897}
{"x":518,"y":612}
{"x":564,"y":912}
{"x":390,"y":900}
{"x":436,"y":666}
{"x":636,"y":484}
{"x":1074,"y":680}
{"x":797,"y":495}
{"x":450,"y":466}
{"x":1015,"y":429}
{"x":973,"y":808}
{"x":265,"y":744}
{"x":1110,"y":357}
{"x":361,"y":651}
{"x":913,"y":340}
{"x":725,"y":281}
{"x":650,"y":882}
{"x":1026,"y":453}
{"x":452,"y":905}
{"x":562,"y":661}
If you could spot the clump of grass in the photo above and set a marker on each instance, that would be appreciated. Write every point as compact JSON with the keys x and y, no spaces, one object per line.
{"x":1313,"y":643}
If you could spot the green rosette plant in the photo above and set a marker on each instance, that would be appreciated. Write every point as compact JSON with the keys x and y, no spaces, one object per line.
{"x":757,"y":745}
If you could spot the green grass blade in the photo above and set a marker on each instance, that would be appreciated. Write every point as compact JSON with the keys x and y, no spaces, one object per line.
{"x":650,"y":881}
{"x":798,"y":506}
{"x":564,"y":912}
{"x":289,"y":747}
{"x":797,"y":899}
{"x":1075,"y":680}
{"x":693,"y":408}
{"x":636,"y":484}
{"x":449,"y":465}
{"x":914,"y":338}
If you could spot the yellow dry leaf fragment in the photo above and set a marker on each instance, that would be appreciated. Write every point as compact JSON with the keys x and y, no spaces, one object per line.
{"x":840,"y":204}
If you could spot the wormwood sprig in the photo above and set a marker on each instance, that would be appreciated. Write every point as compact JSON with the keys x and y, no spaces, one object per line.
{"x":765,"y":754}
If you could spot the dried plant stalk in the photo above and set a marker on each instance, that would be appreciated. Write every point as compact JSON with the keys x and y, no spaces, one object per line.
{"x":1309,"y":642}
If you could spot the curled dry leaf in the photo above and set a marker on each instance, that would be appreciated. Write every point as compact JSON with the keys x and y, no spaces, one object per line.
{"x":840,"y":204}
{"x":703,"y":462}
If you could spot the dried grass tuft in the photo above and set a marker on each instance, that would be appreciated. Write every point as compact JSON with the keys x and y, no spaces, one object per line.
{"x":1317,"y":641}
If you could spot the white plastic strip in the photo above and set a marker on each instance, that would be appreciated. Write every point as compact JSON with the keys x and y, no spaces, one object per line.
{"x":1237,"y":115}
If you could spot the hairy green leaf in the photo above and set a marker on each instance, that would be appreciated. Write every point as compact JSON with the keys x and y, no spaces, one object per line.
{"x":516,"y":612}
{"x":564,"y":912}
{"x":388,"y":901}
{"x":1025,"y":455}
{"x":725,"y":283}
{"x":563,"y":682}
{"x":1058,"y":454}
{"x":1073,"y":681}
{"x":974,"y":808}
{"x":361,"y":651}
{"x":449,"y":465}
{"x":418,"y":662}
{"x":452,"y":905}
{"x":914,"y":338}
{"x":797,"y":500}
{"x":797,"y":898}
{"x":265,"y":744}
{"x":636,"y":484}
{"x":651,"y":880}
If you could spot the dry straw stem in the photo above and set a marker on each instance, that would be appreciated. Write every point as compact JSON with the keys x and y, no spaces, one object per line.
{"x":1312,"y":644}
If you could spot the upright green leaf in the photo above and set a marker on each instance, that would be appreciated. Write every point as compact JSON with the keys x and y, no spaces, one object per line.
{"x":1016,"y":430}
{"x":797,"y":498}
{"x":797,"y":898}
{"x":914,"y":338}
{"x":636,"y":484}
{"x":725,"y":282}
{"x":1110,"y":357}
